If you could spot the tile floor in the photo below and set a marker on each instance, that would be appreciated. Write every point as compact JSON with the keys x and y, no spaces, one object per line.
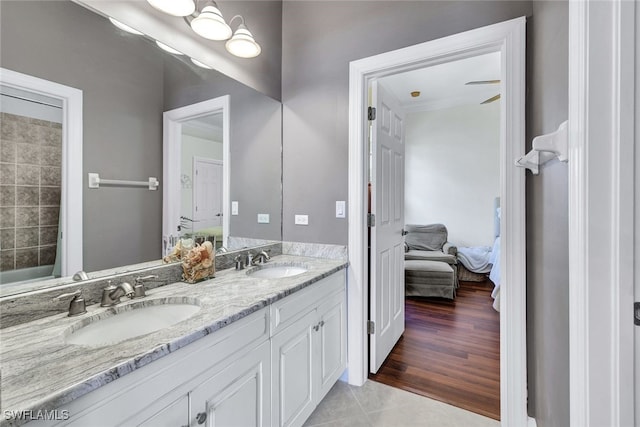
{"x":378,"y":405}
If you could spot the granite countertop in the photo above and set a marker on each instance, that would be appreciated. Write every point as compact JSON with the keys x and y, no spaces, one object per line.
{"x":39,"y":370}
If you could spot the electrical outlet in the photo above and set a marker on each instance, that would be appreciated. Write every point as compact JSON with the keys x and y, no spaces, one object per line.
{"x":302,"y":219}
{"x":263,"y":218}
{"x":341,"y":209}
{"x":234,"y":208}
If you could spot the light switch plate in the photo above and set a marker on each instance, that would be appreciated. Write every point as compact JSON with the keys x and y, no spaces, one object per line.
{"x":263,"y":218}
{"x":302,"y":219}
{"x":234,"y":208}
{"x":341,"y":208}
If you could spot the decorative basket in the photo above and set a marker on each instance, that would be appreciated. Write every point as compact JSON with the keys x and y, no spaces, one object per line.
{"x":199,"y":263}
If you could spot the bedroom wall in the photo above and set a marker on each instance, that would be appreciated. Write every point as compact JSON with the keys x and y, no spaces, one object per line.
{"x":452,"y":171}
{"x":319,"y":39}
{"x":547,"y":220}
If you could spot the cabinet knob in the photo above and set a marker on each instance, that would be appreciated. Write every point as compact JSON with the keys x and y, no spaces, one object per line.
{"x":201,"y":417}
{"x":316,"y":327}
{"x":321,"y":323}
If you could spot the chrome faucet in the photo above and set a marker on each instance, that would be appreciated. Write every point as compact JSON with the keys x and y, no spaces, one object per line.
{"x":260,"y":258}
{"x":249,"y":259}
{"x":138,"y":288}
{"x":79,"y":276}
{"x":77,"y":304}
{"x":111,"y":294}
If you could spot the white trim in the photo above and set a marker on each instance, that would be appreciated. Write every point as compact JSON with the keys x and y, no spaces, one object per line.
{"x":509,"y":38}
{"x":601,"y":188}
{"x":172,"y":155}
{"x":71,"y":188}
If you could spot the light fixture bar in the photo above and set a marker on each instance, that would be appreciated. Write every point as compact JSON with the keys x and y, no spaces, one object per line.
{"x":174,"y":7}
{"x":125,"y":27}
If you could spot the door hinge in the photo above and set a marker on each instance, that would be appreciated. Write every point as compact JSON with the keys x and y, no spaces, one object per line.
{"x":371,"y":220}
{"x":636,"y":309}
{"x":371,"y":113}
{"x":371,"y":327}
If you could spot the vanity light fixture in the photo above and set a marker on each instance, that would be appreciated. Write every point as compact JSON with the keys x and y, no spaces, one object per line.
{"x":168,"y":48}
{"x":174,"y":7}
{"x":242,"y":44}
{"x":124,"y":27}
{"x":207,"y":21}
{"x":210,"y":24}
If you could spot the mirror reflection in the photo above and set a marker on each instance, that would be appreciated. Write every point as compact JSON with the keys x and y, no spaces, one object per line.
{"x":127,"y":83}
{"x":201,"y":179}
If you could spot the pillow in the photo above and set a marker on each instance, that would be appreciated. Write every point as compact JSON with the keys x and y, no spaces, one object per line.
{"x":426,"y":237}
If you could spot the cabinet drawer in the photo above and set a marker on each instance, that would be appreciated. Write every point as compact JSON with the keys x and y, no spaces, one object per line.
{"x":287,"y":310}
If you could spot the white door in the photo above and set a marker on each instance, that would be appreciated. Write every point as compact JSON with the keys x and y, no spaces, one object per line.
{"x":207,"y":193}
{"x":386,"y":304}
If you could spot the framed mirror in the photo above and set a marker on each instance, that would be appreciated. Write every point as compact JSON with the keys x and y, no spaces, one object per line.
{"x":127,"y":83}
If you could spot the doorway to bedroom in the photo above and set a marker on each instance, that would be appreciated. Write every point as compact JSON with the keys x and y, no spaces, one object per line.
{"x":448,"y":121}
{"x":378,"y":310}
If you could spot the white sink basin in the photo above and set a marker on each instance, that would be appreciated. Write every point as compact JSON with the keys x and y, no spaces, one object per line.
{"x":130,"y":323}
{"x":276,"y":271}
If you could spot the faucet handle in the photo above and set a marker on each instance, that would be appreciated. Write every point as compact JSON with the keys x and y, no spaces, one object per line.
{"x":77,"y":305}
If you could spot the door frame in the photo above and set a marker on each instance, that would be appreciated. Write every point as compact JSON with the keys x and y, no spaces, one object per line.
{"x":172,"y":155}
{"x":509,"y":38}
{"x":602,"y":129}
{"x":71,"y":185}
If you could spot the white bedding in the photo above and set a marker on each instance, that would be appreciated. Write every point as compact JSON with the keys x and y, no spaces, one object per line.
{"x":476,"y":259}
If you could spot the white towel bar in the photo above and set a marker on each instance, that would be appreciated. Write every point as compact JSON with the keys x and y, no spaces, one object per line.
{"x":95,"y":182}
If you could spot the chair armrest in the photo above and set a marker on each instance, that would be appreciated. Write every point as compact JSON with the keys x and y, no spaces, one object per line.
{"x":450,"y":248}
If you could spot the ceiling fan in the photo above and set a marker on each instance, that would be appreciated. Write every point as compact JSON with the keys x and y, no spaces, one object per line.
{"x":486,"y":82}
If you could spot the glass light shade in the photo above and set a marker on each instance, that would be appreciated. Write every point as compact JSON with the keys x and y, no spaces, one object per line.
{"x":168,"y":48}
{"x":174,"y":7}
{"x":210,"y":24}
{"x":242,"y":44}
{"x":201,"y":64}
{"x":125,"y":27}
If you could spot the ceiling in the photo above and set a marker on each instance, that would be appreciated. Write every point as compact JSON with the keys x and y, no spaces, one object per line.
{"x":443,"y":85}
{"x":206,"y":127}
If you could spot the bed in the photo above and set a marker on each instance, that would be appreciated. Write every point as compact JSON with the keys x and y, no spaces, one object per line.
{"x":484,"y":260}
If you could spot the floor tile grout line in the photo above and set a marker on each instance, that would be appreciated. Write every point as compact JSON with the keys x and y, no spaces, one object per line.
{"x":366,"y":415}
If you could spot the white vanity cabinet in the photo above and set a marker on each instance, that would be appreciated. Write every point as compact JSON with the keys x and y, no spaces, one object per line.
{"x":308,"y":348}
{"x":271,"y":367}
{"x":203,"y":375}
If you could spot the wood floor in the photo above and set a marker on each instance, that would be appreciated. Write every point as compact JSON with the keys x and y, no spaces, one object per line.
{"x":450,"y":350}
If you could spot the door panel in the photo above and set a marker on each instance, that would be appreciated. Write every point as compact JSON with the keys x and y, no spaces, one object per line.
{"x":207,"y":193}
{"x":387,"y":242}
{"x":237,"y":396}
{"x":293,"y":372}
{"x":333,"y":342}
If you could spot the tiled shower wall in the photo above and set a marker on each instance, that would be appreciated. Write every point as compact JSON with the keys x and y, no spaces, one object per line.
{"x":30,"y":182}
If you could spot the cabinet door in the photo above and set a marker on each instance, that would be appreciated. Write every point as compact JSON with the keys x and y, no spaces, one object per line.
{"x":237,"y":396}
{"x":332,"y":343}
{"x":294,"y":370}
{"x":174,"y":415}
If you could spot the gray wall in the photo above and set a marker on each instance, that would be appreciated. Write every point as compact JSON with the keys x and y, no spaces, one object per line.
{"x":67,"y":44}
{"x":315,"y":139}
{"x":547,"y":220}
{"x":315,"y":89}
